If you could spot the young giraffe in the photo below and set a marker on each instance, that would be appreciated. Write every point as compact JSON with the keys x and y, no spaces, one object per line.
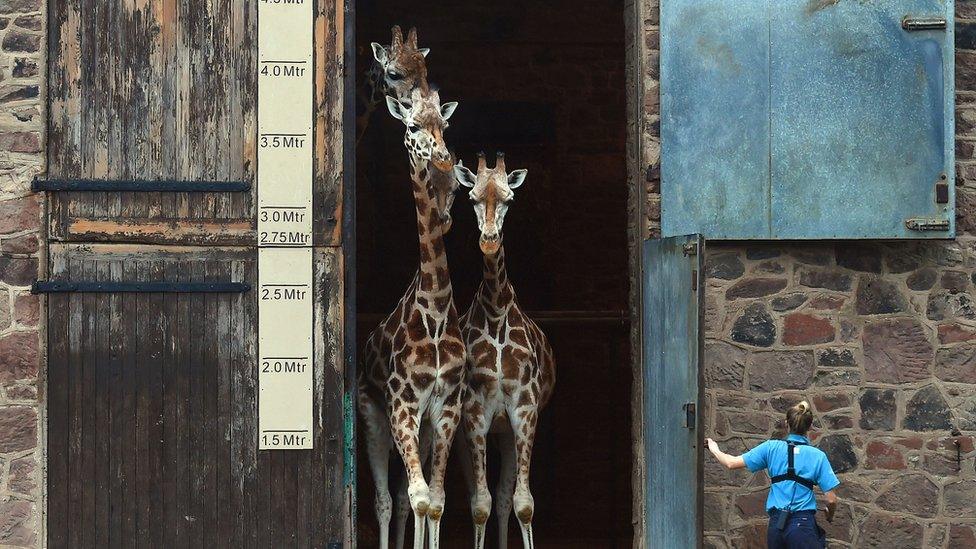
{"x":414,"y":360}
{"x":396,"y":70}
{"x":510,"y":367}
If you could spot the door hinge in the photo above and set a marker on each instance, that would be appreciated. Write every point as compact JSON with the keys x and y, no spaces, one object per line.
{"x":694,"y":280}
{"x":690,"y":249}
{"x":910,"y":23}
{"x":690,"y":417}
{"x":927,"y":224}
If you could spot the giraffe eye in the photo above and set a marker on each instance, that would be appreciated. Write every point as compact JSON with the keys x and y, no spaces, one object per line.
{"x":394,"y":75}
{"x":413,"y":128}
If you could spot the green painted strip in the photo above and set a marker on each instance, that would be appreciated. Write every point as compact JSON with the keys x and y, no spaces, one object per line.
{"x":349,"y":440}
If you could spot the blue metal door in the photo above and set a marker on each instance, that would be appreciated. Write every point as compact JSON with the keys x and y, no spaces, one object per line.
{"x":807,"y":119}
{"x":672,"y":350}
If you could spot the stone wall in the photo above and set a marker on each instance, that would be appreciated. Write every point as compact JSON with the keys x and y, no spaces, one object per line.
{"x":21,"y":158}
{"x":881,"y":338}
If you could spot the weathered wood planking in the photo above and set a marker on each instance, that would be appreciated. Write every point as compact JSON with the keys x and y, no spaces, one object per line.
{"x":152,"y":412}
{"x":157,"y":89}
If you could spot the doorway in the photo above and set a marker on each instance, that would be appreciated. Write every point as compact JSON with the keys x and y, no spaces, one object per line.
{"x":543,"y":82}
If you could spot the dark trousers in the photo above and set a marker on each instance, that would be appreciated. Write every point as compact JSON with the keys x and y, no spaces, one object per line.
{"x":801,"y":531}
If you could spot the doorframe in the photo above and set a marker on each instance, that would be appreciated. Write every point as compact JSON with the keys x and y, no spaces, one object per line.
{"x":637,"y":231}
{"x":348,"y":221}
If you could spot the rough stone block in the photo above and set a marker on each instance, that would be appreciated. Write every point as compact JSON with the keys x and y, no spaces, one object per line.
{"x":778,"y":370}
{"x":884,"y":530}
{"x":18,"y":429}
{"x":726,"y":266}
{"x":882,"y":455}
{"x":911,"y":494}
{"x":18,"y":356}
{"x":876,"y":296}
{"x":896,"y":351}
{"x":805,"y":329}
{"x":840,"y":452}
{"x":755,"y":327}
{"x":927,"y":411}
{"x":956,"y":364}
{"x":878,"y":408}
{"x":755,"y":287}
{"x":923,"y":279}
{"x":787,"y":302}
{"x":828,"y":279}
{"x":725,"y":365}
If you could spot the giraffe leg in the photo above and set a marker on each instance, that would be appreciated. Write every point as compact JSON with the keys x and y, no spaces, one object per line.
{"x":406,"y":433}
{"x":445,"y":420}
{"x":402,"y":508}
{"x":524,"y":429}
{"x":506,"y":485}
{"x":378,"y":451}
{"x":475,"y":432}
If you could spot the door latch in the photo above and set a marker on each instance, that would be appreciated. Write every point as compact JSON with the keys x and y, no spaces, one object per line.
{"x":690,"y":417}
{"x":910,"y":23}
{"x":927,"y":224}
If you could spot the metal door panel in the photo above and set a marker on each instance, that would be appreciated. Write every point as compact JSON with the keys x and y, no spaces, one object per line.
{"x":672,"y":343}
{"x":861,"y":118}
{"x":715,"y":118}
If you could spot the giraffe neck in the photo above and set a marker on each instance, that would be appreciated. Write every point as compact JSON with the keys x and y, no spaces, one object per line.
{"x":496,"y":293}
{"x":435,"y":279}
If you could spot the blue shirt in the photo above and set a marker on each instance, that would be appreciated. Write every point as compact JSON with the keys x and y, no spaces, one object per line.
{"x":810,"y":463}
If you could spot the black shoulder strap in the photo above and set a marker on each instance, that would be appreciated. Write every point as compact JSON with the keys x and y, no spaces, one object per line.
{"x":790,"y":470}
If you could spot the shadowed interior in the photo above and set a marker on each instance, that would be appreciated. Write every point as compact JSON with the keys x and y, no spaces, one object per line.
{"x":545,"y":83}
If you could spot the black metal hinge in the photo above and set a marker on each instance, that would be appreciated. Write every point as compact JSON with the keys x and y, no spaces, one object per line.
{"x":48,"y":287}
{"x":139,"y":186}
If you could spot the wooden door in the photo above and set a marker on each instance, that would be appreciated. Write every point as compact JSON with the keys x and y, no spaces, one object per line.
{"x":673,"y":312}
{"x":152,"y":303}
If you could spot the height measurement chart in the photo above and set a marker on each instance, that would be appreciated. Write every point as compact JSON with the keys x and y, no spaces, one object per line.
{"x":284,"y":188}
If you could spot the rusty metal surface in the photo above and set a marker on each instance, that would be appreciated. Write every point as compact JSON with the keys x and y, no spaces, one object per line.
{"x":806,"y":119}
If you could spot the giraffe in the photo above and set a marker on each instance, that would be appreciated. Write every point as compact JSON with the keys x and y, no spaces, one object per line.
{"x":412,"y":376}
{"x":396,"y":70}
{"x":510,"y":365}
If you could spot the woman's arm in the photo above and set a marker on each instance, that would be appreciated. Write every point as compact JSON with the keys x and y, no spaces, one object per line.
{"x":831,"y":505}
{"x":731,"y":462}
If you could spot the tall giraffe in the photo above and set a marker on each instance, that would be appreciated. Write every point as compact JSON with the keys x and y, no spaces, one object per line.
{"x":396,"y":70}
{"x":413,"y":368}
{"x":510,"y":367}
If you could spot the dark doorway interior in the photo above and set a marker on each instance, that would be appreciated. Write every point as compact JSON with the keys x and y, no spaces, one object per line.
{"x":545,"y":83}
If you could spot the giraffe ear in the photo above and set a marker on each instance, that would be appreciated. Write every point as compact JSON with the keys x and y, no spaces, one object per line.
{"x":424,"y":51}
{"x":380,"y":53}
{"x":516,"y":178}
{"x":464,"y":175}
{"x":397,"y":110}
{"x":447,"y":109}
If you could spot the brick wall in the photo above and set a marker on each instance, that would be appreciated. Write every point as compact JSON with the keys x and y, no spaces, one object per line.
{"x":21,"y":136}
{"x":880,"y":337}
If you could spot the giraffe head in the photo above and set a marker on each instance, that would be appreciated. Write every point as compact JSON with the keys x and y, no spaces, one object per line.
{"x":425,"y":119}
{"x":402,"y":63}
{"x":491,"y":193}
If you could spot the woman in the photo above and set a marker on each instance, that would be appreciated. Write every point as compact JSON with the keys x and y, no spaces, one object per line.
{"x":794,"y":468}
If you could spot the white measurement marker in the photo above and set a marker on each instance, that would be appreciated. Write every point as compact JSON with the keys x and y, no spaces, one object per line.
{"x":284,"y":186}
